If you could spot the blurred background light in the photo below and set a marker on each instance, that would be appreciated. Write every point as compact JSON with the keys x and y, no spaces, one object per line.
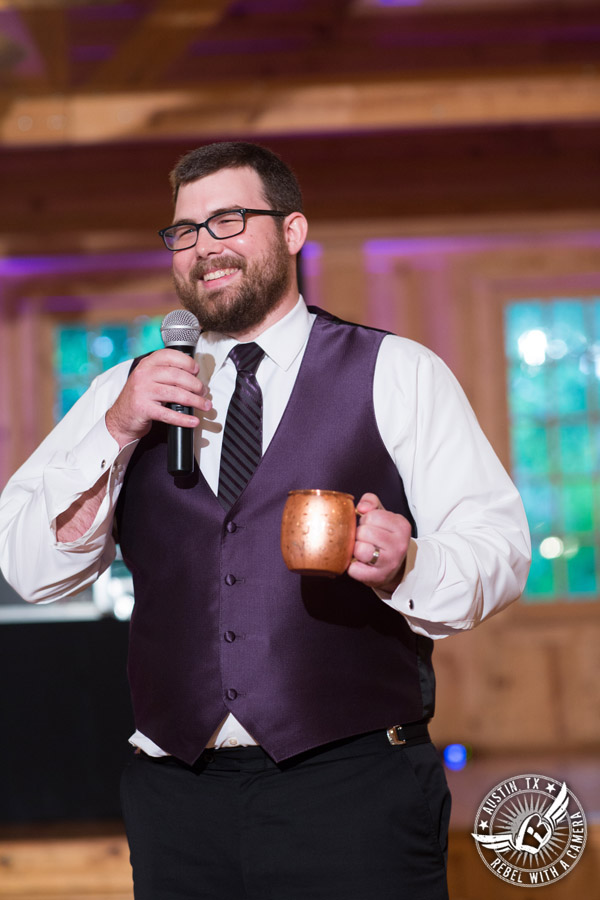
{"x":103,"y":347}
{"x":533,"y":346}
{"x":455,"y":756}
{"x":551,"y":548}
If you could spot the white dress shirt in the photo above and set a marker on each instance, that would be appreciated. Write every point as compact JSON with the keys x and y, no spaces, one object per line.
{"x":472,"y":553}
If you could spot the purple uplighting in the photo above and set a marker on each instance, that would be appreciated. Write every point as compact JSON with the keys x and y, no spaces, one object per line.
{"x":399,"y":2}
{"x":312,"y":250}
{"x":39,"y":265}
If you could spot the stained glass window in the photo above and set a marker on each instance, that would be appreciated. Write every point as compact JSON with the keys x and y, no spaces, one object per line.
{"x":553,"y":366}
{"x":82,"y":353}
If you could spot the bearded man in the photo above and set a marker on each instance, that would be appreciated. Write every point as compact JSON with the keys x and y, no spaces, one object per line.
{"x":281,"y":743}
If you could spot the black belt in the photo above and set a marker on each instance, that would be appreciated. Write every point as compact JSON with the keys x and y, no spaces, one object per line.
{"x":417,"y":733}
{"x":397,"y":736}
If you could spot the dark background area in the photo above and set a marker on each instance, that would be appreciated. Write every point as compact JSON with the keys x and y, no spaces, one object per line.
{"x":65,"y":720}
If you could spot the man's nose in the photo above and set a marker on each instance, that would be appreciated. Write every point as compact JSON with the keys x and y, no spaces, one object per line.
{"x":207,"y":245}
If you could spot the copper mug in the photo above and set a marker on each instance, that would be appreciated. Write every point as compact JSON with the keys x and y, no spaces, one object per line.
{"x":318,"y":531}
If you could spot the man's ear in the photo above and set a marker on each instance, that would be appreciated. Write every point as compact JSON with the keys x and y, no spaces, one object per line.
{"x":295,"y":229}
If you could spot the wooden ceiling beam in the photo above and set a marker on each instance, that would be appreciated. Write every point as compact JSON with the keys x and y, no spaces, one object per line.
{"x":160,"y":39}
{"x":277,"y":106}
{"x":48,"y":30}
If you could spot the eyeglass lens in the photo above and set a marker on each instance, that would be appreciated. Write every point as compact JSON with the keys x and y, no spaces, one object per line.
{"x":223,"y":225}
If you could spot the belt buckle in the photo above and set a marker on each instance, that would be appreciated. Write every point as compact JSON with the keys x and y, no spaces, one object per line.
{"x":394,"y":736}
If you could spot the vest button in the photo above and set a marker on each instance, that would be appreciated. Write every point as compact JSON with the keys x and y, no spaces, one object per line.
{"x":230,"y":579}
{"x":230,"y":694}
{"x":229,"y":636}
{"x":231,"y":527}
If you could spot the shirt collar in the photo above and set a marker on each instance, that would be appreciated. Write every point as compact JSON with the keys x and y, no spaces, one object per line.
{"x":282,"y":342}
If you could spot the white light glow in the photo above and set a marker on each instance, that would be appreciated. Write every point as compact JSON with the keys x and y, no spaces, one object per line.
{"x":123,"y":607}
{"x":551,"y":548}
{"x":533,"y":347}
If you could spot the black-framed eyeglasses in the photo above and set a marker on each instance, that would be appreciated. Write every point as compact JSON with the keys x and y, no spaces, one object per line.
{"x":220,"y":226}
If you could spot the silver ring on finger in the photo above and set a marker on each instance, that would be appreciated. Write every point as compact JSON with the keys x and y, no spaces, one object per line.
{"x":375,"y":557}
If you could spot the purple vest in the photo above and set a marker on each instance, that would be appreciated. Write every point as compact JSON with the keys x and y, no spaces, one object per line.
{"x":220,"y":625}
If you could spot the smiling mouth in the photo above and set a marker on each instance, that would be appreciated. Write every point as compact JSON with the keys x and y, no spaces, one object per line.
{"x":218,"y":273}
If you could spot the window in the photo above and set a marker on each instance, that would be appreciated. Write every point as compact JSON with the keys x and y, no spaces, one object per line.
{"x":82,"y":353}
{"x":553,"y":355}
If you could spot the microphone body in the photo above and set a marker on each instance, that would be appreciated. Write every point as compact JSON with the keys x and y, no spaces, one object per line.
{"x":180,"y":440}
{"x":180,"y":331}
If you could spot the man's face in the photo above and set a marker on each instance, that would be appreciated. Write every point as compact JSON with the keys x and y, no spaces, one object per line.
{"x":232,"y":285}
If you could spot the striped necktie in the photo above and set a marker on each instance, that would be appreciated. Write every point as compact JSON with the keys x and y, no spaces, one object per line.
{"x":242,"y":437}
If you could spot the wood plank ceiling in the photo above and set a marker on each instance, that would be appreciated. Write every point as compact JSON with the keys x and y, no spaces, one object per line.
{"x":384,"y":108}
{"x":74,"y":72}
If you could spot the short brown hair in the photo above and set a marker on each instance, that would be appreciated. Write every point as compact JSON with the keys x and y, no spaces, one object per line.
{"x":280,"y":185}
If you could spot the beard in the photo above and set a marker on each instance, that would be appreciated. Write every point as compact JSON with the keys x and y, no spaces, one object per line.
{"x":236,"y":309}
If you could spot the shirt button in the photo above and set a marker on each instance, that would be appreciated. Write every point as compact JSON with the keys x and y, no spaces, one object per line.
{"x":232,"y":742}
{"x":229,"y":636}
{"x":103,"y":464}
{"x":230,"y":579}
{"x":231,"y":527}
{"x":411,"y":604}
{"x":231,"y":694}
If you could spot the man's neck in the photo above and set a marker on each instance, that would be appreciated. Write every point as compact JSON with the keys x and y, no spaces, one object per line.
{"x":283,"y":308}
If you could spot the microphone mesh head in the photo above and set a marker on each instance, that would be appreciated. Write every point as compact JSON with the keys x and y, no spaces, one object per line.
{"x":180,"y":327}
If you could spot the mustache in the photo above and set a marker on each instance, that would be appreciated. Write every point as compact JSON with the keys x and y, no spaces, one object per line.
{"x":202,"y":267}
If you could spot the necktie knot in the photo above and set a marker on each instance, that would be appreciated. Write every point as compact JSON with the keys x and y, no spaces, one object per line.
{"x":246,"y":357}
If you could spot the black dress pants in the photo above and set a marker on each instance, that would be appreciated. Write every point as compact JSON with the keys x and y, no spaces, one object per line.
{"x":358,"y":820}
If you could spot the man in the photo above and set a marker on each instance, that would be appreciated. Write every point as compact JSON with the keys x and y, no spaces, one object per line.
{"x":282,"y":745}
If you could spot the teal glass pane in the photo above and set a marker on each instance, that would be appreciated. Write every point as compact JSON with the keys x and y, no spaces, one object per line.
{"x":569,"y":387}
{"x":528,"y":391}
{"x":576,"y":452}
{"x":69,"y":396}
{"x":578,"y":506}
{"x":540,"y":501}
{"x":72,"y":354}
{"x":519,"y":319}
{"x":581,"y":571}
{"x":81,"y":355}
{"x":530,"y":450}
{"x":146,"y":336}
{"x":541,"y":576}
{"x":109,"y":346}
{"x":568,"y":325}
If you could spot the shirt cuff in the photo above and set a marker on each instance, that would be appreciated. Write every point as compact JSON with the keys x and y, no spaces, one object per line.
{"x":413,"y":596}
{"x":71,"y":473}
{"x":401,"y":599}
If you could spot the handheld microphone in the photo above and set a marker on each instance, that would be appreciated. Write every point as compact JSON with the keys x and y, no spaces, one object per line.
{"x":180,"y":331}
